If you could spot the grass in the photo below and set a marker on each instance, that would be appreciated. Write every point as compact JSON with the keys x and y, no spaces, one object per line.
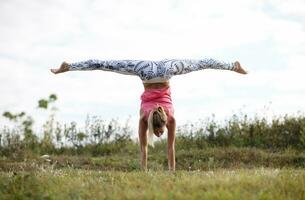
{"x":242,"y":158}
{"x":210,"y":173}
{"x":68,"y":183}
{"x":194,"y":159}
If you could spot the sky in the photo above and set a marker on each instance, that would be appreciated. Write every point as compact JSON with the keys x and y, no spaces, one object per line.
{"x":267,"y":37}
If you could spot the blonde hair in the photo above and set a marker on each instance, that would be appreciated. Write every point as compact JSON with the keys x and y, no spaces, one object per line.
{"x":156,"y":119}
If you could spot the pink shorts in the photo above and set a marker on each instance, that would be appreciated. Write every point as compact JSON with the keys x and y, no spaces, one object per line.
{"x":151,"y":98}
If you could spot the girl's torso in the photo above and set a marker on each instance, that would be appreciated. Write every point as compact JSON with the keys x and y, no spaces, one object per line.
{"x":156,"y":94}
{"x":158,"y":85}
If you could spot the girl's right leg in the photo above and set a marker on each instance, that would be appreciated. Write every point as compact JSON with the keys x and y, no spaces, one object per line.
{"x":176,"y":67}
{"x":237,"y":68}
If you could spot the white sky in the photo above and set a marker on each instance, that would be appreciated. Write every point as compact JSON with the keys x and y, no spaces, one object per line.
{"x":267,"y":37}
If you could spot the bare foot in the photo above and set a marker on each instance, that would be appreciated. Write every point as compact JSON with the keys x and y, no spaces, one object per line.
{"x":237,"y":68}
{"x":64,"y":67}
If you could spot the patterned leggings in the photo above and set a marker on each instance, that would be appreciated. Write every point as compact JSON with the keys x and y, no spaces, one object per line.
{"x":151,"y":71}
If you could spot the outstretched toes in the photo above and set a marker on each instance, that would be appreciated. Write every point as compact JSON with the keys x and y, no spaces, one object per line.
{"x":63,"y":68}
{"x":237,"y":68}
{"x":54,"y":71}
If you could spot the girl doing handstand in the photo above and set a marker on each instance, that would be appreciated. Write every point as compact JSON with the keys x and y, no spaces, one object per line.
{"x":156,"y":110}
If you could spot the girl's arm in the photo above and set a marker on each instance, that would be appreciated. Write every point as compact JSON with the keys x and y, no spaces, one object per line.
{"x":171,"y":127}
{"x":143,"y":141}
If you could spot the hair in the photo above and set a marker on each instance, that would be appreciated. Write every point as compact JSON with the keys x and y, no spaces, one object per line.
{"x":157,"y":118}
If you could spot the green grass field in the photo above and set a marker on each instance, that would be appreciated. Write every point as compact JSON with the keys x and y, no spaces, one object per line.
{"x":212,"y":173}
{"x":242,"y":158}
{"x":259,"y":183}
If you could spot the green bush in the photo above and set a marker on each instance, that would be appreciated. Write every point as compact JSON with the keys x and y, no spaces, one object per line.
{"x":101,"y":138}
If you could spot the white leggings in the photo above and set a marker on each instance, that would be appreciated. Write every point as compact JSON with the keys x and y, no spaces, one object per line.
{"x":151,"y":71}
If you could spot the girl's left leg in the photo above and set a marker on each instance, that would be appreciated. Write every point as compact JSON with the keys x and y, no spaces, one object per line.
{"x":128,"y":67}
{"x":64,"y":67}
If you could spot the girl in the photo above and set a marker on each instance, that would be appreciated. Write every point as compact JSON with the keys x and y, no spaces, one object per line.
{"x":156,"y":112}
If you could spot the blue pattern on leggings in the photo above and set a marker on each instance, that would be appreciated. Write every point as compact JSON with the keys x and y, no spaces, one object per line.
{"x":148,"y":70}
